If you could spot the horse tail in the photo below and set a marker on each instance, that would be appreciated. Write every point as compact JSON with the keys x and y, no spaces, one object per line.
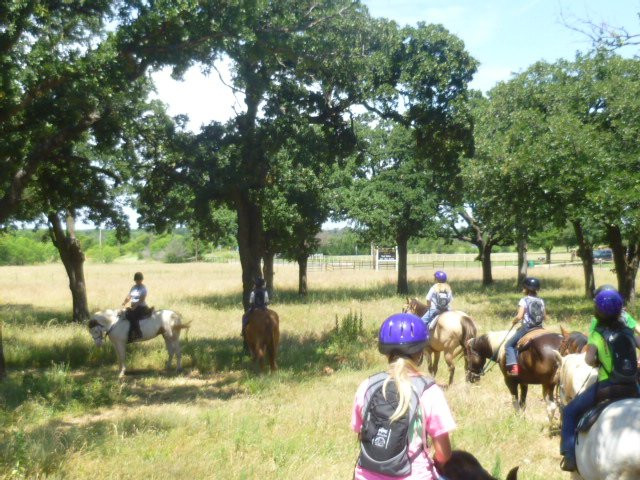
{"x":469,"y":330}
{"x":182,"y":326}
{"x":272,"y":331}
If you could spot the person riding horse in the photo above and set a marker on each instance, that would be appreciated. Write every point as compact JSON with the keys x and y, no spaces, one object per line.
{"x":612,"y":347}
{"x":531,"y":312}
{"x":138,"y":309}
{"x":439,"y":298}
{"x":258,"y":299}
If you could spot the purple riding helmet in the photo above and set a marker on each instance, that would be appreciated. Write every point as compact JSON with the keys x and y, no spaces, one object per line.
{"x":402,"y":333}
{"x":440,"y":276}
{"x":609,"y":303}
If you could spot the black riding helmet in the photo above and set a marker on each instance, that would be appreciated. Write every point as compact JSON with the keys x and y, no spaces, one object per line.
{"x":531,"y":283}
{"x":259,"y":281}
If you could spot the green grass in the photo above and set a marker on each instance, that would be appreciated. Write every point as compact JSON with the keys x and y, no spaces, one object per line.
{"x":66,"y":415}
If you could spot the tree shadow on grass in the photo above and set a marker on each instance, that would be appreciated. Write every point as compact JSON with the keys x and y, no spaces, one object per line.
{"x":30,"y":315}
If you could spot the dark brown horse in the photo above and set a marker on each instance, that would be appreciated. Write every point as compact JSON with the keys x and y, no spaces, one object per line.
{"x":262,"y":336}
{"x":536,"y":358}
{"x":572,"y":342}
{"x":464,"y":466}
{"x":449,"y":334}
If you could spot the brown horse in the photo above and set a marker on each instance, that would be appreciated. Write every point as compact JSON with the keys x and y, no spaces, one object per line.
{"x":262,"y":336}
{"x":536,"y":358}
{"x":464,"y":466}
{"x":572,"y":342}
{"x":449,"y":333}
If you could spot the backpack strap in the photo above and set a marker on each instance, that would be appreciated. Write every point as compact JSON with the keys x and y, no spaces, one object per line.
{"x":419,"y":384}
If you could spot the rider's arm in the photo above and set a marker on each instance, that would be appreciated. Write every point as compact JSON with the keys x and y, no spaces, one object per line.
{"x":442,"y":447}
{"x":128,"y":297}
{"x":591,"y":356}
{"x":519,"y":315}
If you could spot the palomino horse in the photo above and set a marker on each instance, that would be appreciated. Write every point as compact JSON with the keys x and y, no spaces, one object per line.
{"x":112,"y":324}
{"x":464,"y":466}
{"x":537,"y":362}
{"x":449,"y":333}
{"x":263,"y":335}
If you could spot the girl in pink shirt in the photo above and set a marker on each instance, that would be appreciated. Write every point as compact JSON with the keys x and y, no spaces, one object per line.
{"x":402,"y":339}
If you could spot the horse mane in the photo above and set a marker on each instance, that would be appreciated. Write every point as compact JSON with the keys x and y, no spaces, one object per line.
{"x":482,"y":346}
{"x":469,"y":330}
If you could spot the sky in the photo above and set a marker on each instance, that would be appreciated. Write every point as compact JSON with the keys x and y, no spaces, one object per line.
{"x":504,"y":36}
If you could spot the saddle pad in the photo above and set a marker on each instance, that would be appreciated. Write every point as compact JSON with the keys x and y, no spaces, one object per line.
{"x":530,"y":335}
{"x":591,"y":415}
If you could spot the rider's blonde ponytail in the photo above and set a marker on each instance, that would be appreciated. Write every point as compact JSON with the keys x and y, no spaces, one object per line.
{"x":399,"y":371}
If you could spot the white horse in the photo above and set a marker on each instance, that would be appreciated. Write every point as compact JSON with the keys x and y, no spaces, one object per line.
{"x":574,"y":375}
{"x":112,"y":324}
{"x":610,"y":450}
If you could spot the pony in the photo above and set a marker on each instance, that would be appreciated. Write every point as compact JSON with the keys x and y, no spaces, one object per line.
{"x":574,"y":376}
{"x":449,"y":333}
{"x":262,"y":336}
{"x":464,"y":466}
{"x":112,"y":324}
{"x":572,"y":342}
{"x":537,"y":362}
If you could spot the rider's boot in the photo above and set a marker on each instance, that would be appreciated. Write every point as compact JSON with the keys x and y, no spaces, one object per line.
{"x":514,"y":370}
{"x":568,"y":463}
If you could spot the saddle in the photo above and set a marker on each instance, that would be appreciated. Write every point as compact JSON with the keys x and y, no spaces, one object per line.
{"x":523,"y":343}
{"x":134,"y":316}
{"x":605,"y":397}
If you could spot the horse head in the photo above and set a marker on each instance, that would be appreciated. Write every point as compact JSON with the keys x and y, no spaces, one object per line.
{"x":475,"y":359}
{"x":464,"y":466}
{"x":572,"y":342}
{"x":99,"y":325}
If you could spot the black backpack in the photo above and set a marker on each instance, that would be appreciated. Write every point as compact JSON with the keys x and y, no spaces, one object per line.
{"x":259,"y":300}
{"x":622,"y":345}
{"x":384,"y":446}
{"x":441,"y":300}
{"x":535,"y":309}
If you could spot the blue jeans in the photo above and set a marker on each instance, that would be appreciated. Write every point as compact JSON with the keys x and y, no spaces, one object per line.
{"x":510,"y":345}
{"x":571,"y":416}
{"x":428,"y":317}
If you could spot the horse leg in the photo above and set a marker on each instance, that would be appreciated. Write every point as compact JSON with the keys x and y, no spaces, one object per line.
{"x":178,"y":351}
{"x":120,"y":353}
{"x":524,"y":388}
{"x":168,"y":341}
{"x":433,"y":367}
{"x":547,"y":394}
{"x":448,"y":357}
{"x":512,"y":385}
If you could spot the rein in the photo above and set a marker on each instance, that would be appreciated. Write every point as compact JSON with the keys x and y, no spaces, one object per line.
{"x":493,"y":360}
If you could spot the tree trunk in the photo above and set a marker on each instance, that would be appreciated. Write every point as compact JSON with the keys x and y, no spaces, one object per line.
{"x":522,"y":261}
{"x":302,"y":274}
{"x":268,"y":271}
{"x":626,"y":260}
{"x":403,"y":284}
{"x":487,"y":275}
{"x":547,"y":254}
{"x":585,"y":252}
{"x":73,"y":260}
{"x":3,"y":370}
{"x":250,"y":245}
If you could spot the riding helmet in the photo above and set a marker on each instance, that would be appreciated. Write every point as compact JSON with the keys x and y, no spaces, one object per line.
{"x":138,"y":276}
{"x":440,"y":276}
{"x":259,"y":281}
{"x":609,"y":304}
{"x":531,"y":283}
{"x":402,"y":333}
{"x":603,"y":288}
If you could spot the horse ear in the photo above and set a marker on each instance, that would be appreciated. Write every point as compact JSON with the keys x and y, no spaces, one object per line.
{"x":513,"y":474}
{"x":565,"y":333}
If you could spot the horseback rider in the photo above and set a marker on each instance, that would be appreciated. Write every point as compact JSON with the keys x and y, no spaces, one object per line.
{"x":531,"y":312}
{"x":138,"y":309}
{"x":400,"y":409}
{"x":439,"y":298}
{"x":258,"y":299}
{"x":611,"y":348}
{"x":626,"y":316}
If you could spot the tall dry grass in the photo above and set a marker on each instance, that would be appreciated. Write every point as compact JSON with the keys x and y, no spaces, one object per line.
{"x":65,"y":414}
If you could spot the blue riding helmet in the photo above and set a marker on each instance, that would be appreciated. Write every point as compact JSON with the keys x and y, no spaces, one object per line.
{"x":608,"y":303}
{"x":440,"y":276}
{"x":604,"y":287}
{"x":402,"y":333}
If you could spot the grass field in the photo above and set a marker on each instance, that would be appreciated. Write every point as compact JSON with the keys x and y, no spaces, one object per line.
{"x":65,"y":414}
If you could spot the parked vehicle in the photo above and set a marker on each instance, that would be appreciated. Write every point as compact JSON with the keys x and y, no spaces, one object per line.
{"x":602,"y":255}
